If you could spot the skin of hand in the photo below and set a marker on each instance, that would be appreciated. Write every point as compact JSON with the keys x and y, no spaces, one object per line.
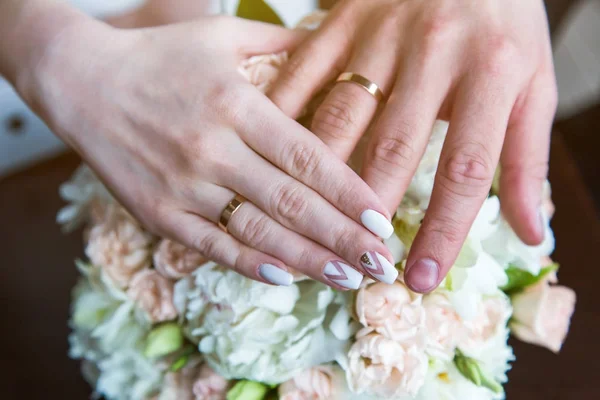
{"x":160,"y":12}
{"x":484,"y":65}
{"x":167,"y":122}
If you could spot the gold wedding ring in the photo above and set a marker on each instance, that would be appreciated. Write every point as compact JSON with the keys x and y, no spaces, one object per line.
{"x":231,"y":209}
{"x":363,"y":82}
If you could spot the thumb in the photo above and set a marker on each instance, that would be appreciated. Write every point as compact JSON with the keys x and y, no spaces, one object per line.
{"x":255,"y":38}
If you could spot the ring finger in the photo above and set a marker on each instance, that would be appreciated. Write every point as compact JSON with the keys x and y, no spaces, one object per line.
{"x":348,"y":109}
{"x":257,"y":230}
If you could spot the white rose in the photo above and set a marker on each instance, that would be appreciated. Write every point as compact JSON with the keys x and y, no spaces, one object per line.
{"x":542,"y":314}
{"x":492,"y":317}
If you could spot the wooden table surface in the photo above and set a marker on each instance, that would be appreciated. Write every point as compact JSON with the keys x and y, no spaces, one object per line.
{"x":38,"y":273}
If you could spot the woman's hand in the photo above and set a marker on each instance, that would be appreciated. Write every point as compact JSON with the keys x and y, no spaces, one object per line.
{"x":165,"y":119}
{"x":484,"y":65}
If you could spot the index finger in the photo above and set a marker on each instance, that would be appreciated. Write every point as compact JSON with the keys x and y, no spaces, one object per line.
{"x":466,"y":169}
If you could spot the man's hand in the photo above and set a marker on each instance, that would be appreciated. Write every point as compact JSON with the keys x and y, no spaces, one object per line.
{"x":484,"y":65}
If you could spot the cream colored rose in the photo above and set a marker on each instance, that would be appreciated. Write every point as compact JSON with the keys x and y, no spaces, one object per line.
{"x":444,"y":326}
{"x":209,"y":385}
{"x":316,"y":383}
{"x":382,"y":367}
{"x":175,"y":261}
{"x":153,"y":293}
{"x":263,"y":70}
{"x":120,"y":246}
{"x":492,"y":316}
{"x":391,"y":311}
{"x":542,"y":315}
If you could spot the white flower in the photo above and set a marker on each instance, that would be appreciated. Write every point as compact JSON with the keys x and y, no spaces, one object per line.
{"x":249,"y":330}
{"x":323,"y":382}
{"x":506,"y":247}
{"x":104,"y":319}
{"x":82,"y":191}
{"x":128,"y":375}
{"x":421,"y":185}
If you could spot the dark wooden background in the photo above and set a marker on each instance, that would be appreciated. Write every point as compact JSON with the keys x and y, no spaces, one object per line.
{"x":37,"y":274}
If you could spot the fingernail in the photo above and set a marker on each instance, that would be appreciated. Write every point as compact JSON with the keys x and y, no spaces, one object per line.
{"x":275,"y":275}
{"x":422,"y":276}
{"x":377,"y":223}
{"x":379,"y":267}
{"x":342,"y":274}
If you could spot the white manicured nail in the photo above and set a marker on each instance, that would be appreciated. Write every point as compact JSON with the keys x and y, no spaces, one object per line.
{"x":275,"y":275}
{"x":342,"y":274}
{"x":379,"y":267}
{"x":377,"y":223}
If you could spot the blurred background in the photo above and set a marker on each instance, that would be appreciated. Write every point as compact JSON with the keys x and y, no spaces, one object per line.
{"x":37,"y":264}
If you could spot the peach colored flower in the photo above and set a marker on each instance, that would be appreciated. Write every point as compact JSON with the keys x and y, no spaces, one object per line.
{"x":175,"y":261}
{"x":179,"y":385}
{"x":209,"y":385}
{"x":153,"y":293}
{"x":383,"y":367}
{"x":316,"y":383}
{"x":391,"y":311}
{"x":492,"y":316}
{"x":262,"y":70}
{"x":542,"y":314}
{"x":120,"y":246}
{"x":444,"y":326}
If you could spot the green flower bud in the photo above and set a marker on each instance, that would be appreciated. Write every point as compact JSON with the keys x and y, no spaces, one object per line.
{"x":163,"y":340}
{"x":470,"y":369}
{"x":247,"y":390}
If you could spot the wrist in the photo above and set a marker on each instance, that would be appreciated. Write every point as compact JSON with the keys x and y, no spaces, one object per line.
{"x":30,"y":28}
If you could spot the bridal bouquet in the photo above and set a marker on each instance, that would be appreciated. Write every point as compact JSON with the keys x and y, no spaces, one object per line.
{"x":152,"y":319}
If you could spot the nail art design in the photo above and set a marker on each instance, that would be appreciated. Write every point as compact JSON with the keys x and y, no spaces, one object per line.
{"x":379,"y":267}
{"x":343,"y":274}
{"x":275,"y":275}
{"x":377,"y":223}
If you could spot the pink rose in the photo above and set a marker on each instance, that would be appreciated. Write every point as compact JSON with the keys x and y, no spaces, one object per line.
{"x":491,"y":318}
{"x":444,"y":326}
{"x":209,"y":385}
{"x":383,"y":367}
{"x":175,"y":261}
{"x":316,"y":383}
{"x":542,"y":314}
{"x":120,"y":246}
{"x":262,"y":71}
{"x":391,"y":311}
{"x":153,"y":293}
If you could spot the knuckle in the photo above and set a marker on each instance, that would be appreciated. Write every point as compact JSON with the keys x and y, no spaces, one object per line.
{"x":467,"y":169}
{"x":231,"y":101}
{"x":395,"y":149}
{"x":447,"y":229}
{"x":304,"y":160}
{"x":335,"y":117}
{"x":290,"y":202}
{"x":207,"y":245}
{"x":255,"y":231}
{"x":436,"y":28}
{"x":501,"y":55}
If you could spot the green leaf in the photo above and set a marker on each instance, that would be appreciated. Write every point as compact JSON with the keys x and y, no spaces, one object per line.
{"x":519,"y":279}
{"x":258,"y":10}
{"x":164,"y":339}
{"x":247,"y":390}
{"x":406,"y":232}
